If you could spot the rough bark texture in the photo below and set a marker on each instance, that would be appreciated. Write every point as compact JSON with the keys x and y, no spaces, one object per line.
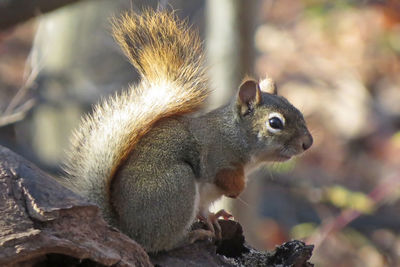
{"x":44,"y":224}
{"x":42,"y":221}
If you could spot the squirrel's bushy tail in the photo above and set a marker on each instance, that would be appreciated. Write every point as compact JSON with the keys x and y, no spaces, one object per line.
{"x":168,"y":56}
{"x":163,"y":48}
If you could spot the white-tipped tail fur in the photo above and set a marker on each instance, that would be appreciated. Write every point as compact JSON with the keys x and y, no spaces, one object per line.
{"x":168,"y":56}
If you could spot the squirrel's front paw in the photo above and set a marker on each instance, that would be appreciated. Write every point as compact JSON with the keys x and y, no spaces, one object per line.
{"x":211,"y":220}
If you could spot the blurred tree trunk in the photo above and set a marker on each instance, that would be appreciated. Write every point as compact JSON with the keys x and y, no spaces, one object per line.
{"x":230,"y":39}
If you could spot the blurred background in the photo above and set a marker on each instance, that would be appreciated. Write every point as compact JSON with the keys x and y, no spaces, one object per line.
{"x":337,"y":61}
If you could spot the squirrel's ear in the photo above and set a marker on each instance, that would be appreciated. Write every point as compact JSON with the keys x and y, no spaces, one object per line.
{"x":249,"y":96}
{"x":267,"y":85}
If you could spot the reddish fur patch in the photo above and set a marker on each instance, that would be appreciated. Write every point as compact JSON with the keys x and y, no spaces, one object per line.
{"x":231,"y":181}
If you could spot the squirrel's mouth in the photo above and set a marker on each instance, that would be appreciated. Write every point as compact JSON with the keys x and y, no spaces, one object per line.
{"x":282,"y":158}
{"x":288,"y":153}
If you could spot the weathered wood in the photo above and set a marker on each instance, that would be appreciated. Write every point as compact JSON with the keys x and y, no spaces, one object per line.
{"x":43,"y":221}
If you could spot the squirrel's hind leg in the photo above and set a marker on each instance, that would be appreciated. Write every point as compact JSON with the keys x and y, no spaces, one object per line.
{"x":157,"y":204}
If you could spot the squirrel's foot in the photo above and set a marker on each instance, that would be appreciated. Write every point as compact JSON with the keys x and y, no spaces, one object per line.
{"x":211,"y":220}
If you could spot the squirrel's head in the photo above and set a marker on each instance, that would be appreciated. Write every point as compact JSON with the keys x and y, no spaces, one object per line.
{"x":275,"y":129}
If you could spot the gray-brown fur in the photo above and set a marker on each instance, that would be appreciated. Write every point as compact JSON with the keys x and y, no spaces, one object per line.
{"x":159,"y":177}
{"x":150,"y":166}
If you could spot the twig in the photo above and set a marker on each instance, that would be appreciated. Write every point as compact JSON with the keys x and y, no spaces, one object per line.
{"x":16,"y":100}
{"x":19,"y":114}
{"x":377,"y":195}
{"x":16,"y":110}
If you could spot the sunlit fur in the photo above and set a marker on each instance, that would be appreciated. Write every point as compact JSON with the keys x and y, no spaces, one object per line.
{"x":169,"y":59}
{"x":152,"y":170}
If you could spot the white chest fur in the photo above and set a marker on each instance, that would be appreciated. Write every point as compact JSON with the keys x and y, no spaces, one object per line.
{"x":208,"y":193}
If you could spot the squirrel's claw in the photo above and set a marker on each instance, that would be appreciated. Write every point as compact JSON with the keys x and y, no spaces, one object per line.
{"x":211,"y":220}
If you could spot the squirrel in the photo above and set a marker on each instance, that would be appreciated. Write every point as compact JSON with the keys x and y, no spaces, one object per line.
{"x":151,"y":163}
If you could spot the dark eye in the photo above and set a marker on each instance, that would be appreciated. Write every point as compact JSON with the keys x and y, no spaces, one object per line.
{"x":275,"y":123}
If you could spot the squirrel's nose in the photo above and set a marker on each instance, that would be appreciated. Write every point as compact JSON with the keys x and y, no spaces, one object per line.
{"x":307,"y":141}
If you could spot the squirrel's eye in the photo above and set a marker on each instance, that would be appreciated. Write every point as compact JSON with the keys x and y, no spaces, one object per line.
{"x":275,"y":122}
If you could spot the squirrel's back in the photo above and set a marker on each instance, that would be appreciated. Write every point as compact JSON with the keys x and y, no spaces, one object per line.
{"x":169,"y":59}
